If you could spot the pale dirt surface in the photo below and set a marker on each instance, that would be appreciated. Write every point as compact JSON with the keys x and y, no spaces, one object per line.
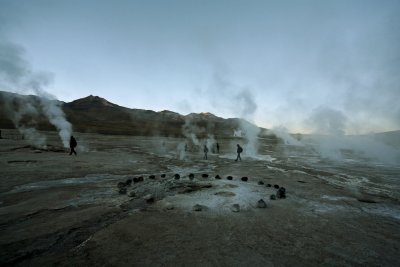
{"x":61,"y":210}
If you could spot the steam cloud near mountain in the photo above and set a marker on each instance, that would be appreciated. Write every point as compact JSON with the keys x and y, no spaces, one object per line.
{"x":16,"y":75}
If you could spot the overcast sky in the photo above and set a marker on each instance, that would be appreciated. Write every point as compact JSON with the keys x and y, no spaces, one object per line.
{"x":304,"y":65}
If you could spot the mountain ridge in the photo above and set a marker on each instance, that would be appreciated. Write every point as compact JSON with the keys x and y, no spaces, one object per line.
{"x":97,"y":115}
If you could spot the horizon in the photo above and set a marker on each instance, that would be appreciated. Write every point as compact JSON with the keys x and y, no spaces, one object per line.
{"x":308,"y":67}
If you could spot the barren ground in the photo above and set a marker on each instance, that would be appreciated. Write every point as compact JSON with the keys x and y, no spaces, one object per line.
{"x":64,"y":210}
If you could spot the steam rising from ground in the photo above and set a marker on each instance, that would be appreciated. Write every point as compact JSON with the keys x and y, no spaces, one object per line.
{"x":17,"y":76}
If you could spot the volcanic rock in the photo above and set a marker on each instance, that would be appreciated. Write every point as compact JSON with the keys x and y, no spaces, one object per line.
{"x":163,"y":175}
{"x":245,"y":179}
{"x":149,"y":198}
{"x":198,"y":207}
{"x":217,"y":177}
{"x":140,"y":179}
{"x":260,"y":182}
{"x":132,"y":194}
{"x":272,"y":197}
{"x":235,"y":208}
{"x":177,"y":176}
{"x":281,"y":193}
{"x":204,"y":175}
{"x":122,"y":190}
{"x":261,"y":204}
{"x":229,"y":177}
{"x":276,"y":186}
{"x":128,"y":182}
{"x":191,"y":176}
{"x":152,"y":177}
{"x":121,"y":185}
{"x":268,"y":185}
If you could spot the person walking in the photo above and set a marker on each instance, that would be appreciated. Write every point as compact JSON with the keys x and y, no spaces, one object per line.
{"x":239,"y":150}
{"x":205,"y":151}
{"x":72,"y":145}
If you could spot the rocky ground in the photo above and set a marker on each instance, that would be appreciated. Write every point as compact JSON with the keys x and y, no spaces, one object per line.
{"x":94,"y":209}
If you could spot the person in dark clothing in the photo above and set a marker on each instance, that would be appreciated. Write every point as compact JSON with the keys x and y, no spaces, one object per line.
{"x":217,"y":148}
{"x":205,"y":151}
{"x":72,"y":145}
{"x":239,"y":150}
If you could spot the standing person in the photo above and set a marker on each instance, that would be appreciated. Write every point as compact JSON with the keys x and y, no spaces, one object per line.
{"x":205,"y":151}
{"x":72,"y":145}
{"x":239,"y":150}
{"x":217,"y":148}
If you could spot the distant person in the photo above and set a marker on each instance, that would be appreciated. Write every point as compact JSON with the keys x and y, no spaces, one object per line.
{"x":217,"y":148}
{"x":205,"y":151}
{"x":239,"y":150}
{"x":72,"y":145}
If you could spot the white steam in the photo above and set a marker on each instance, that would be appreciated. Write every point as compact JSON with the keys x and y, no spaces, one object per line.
{"x":17,"y":76}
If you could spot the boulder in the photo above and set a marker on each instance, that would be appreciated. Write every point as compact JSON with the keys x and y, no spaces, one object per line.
{"x":281,"y":193}
{"x":149,"y":198}
{"x":198,"y":207}
{"x":128,"y":182}
{"x":217,"y":177}
{"x":229,"y":177}
{"x":260,"y":182}
{"x":121,"y":185}
{"x":235,"y":208}
{"x":163,"y":175}
{"x":152,"y":177}
{"x":135,"y":180}
{"x":191,"y":176}
{"x":245,"y":179}
{"x":204,"y":175}
{"x":177,"y":176}
{"x":261,"y":204}
{"x":268,"y":185}
{"x":122,"y":190}
{"x":132,"y":194}
{"x":276,"y":186}
{"x":140,"y":179}
{"x":272,"y":197}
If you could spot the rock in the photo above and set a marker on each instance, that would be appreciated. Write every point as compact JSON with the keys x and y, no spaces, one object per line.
{"x":272,"y":197}
{"x":229,"y":177}
{"x":128,"y":182}
{"x":152,"y":177}
{"x":149,"y":198}
{"x":204,"y":175}
{"x":269,"y":185}
{"x":245,"y":179}
{"x":132,"y":194}
{"x":235,"y":208}
{"x":121,"y":185}
{"x":276,"y":186}
{"x":261,"y":204}
{"x":260,"y":182}
{"x":163,"y":175}
{"x":135,"y":180}
{"x":177,"y":176}
{"x":198,"y":207}
{"x":122,"y":190}
{"x":169,"y":206}
{"x":281,"y":193}
{"x":140,"y":179}
{"x":217,"y":177}
{"x":191,"y":176}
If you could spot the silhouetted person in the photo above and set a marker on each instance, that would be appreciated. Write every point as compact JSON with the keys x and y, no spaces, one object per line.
{"x":239,"y":150}
{"x":205,"y":151}
{"x":72,"y":145}
{"x":217,"y":148}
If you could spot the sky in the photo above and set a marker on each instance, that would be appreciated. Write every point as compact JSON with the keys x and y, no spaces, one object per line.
{"x":305,"y":66}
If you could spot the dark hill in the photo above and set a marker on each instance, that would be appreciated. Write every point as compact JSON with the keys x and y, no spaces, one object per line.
{"x":97,"y":115}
